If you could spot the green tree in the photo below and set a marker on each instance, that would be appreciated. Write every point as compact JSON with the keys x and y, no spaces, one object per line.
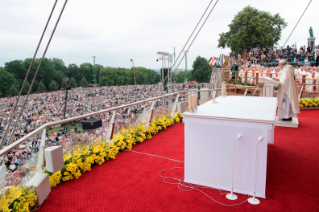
{"x":13,"y":90}
{"x":252,"y":27}
{"x":86,"y":70}
{"x":73,"y":71}
{"x":201,"y":70}
{"x":53,"y":86}
{"x":26,"y":87}
{"x":59,"y":65}
{"x":179,"y":77}
{"x":59,"y":76}
{"x":46,"y":73}
{"x":6,"y":81}
{"x":16,"y":68}
{"x":98,"y":68}
{"x":41,"y":86}
{"x":73,"y":83}
{"x":63,"y":83}
{"x":84,"y":82}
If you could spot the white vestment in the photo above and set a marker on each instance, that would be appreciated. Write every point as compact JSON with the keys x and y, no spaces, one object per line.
{"x":309,"y":88}
{"x":287,"y":96}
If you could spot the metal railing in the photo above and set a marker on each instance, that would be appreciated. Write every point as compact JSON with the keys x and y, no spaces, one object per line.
{"x":64,"y":121}
{"x":39,"y":161}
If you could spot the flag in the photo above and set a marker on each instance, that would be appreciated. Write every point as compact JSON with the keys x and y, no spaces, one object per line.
{"x":212,"y":61}
{"x":224,"y":59}
{"x":220,"y":60}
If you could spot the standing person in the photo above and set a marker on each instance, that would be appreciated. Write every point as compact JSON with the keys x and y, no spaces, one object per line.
{"x":198,"y":95}
{"x":287,"y":96}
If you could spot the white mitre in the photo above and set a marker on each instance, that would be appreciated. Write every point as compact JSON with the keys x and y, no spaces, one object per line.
{"x":288,"y":86}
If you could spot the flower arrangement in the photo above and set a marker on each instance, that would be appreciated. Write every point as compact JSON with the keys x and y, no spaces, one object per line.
{"x":82,"y":157}
{"x":178,"y":117}
{"x":240,"y":83}
{"x":16,"y":199}
{"x":309,"y":102}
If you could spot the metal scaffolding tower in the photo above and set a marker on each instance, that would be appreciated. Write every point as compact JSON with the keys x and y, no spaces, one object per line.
{"x":94,"y":70}
{"x":185,"y":66}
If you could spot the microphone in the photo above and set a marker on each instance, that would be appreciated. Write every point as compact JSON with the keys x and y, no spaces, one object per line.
{"x":231,"y":195}
{"x":253,"y":200}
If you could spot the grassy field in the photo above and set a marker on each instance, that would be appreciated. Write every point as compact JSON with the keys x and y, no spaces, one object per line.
{"x":58,"y":129}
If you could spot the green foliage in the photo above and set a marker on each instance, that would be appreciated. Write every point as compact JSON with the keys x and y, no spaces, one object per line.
{"x":121,"y":76}
{"x":181,"y":75}
{"x":201,"y":70}
{"x":86,"y":70}
{"x":26,"y":87}
{"x":309,"y":96}
{"x":41,"y":86}
{"x":54,"y":69}
{"x":254,"y":28}
{"x":73,"y":71}
{"x":84,"y":82}
{"x":6,"y":81}
{"x":73,"y":83}
{"x":13,"y":90}
{"x":63,"y":83}
{"x":53,"y":86}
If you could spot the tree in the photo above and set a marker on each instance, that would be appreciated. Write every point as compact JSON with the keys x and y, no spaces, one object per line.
{"x":46,"y":73}
{"x":201,"y":70}
{"x":41,"y":86}
{"x":73,"y":83}
{"x":179,"y":77}
{"x":252,"y":27}
{"x":73,"y":71}
{"x":63,"y":83}
{"x":86,"y":70}
{"x":6,"y":81}
{"x":16,"y":68}
{"x":26,"y":87}
{"x":59,"y":65}
{"x":84,"y":82}
{"x":59,"y":76}
{"x":53,"y":86}
{"x":13,"y":90}
{"x":98,"y":68}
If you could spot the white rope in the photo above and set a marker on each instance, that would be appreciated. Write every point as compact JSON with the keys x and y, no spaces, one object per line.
{"x":183,"y":186}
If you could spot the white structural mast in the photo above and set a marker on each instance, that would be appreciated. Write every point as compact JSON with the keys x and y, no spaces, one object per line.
{"x":167,"y":60}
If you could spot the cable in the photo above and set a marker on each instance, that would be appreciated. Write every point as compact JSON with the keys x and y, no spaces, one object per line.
{"x":192,"y":32}
{"x":297,"y":22}
{"x":193,"y":38}
{"x":36,"y":72}
{"x":197,"y":34}
{"x":183,"y":185}
{"x":26,"y":77}
{"x":155,"y":156}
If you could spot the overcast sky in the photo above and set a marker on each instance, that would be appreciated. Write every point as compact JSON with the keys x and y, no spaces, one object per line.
{"x":116,"y":31}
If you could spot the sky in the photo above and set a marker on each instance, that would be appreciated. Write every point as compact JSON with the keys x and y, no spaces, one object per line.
{"x":117,"y":31}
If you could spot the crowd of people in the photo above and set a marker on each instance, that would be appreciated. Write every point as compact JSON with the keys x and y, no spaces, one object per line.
{"x":48,"y":107}
{"x":310,"y":73}
{"x":42,"y":108}
{"x":269,"y":56}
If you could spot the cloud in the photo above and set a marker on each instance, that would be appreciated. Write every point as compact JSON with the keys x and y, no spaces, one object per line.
{"x":116,"y":31}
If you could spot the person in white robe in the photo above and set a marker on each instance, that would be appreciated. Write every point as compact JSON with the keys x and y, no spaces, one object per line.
{"x":287,"y":96}
{"x":309,"y":81}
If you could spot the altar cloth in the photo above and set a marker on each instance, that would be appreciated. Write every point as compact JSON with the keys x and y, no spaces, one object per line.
{"x":210,"y":134}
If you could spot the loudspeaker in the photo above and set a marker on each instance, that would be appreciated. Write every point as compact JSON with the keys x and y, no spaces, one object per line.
{"x":41,"y":184}
{"x":54,"y":158}
{"x":164,"y":74}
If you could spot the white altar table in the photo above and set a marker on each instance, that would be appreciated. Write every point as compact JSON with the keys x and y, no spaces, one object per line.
{"x":210,"y":134}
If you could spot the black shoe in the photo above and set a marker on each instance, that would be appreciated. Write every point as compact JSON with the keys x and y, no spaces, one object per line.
{"x":290,"y":119}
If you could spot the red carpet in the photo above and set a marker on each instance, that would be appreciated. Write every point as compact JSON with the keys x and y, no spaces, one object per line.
{"x":131,"y":182}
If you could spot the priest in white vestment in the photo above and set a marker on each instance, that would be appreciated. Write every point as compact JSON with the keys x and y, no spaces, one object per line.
{"x":287,"y":96}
